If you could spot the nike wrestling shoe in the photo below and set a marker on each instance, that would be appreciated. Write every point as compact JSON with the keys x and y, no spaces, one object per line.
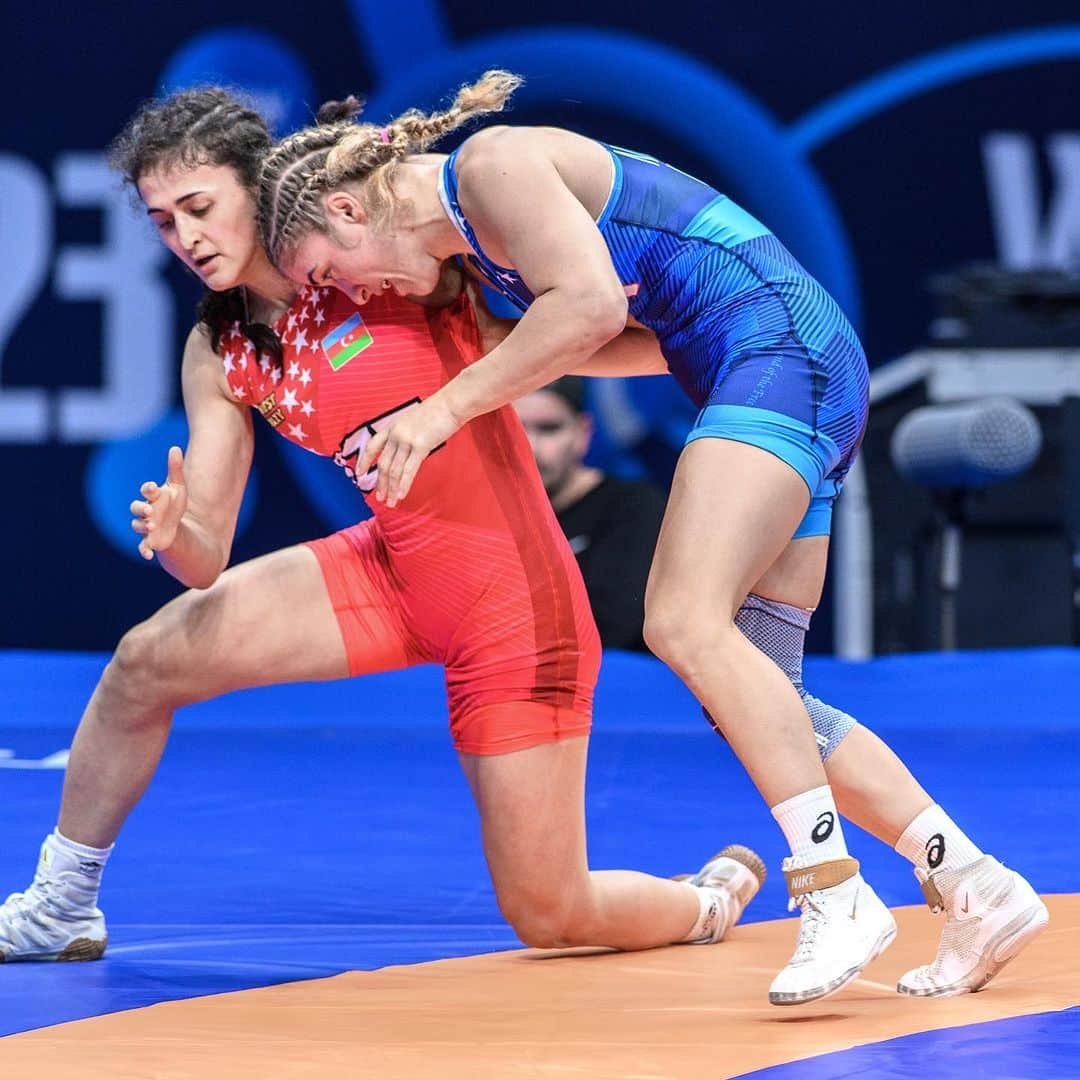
{"x":843,"y":927}
{"x":991,"y":914}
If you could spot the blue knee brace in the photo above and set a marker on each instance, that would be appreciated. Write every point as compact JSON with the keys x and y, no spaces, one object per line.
{"x":779,"y":631}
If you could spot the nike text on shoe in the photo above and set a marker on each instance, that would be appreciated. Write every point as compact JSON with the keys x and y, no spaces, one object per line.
{"x":733,"y":877}
{"x":991,"y":914}
{"x":842,"y":927}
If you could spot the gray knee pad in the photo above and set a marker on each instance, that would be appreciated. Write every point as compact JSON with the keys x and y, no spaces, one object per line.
{"x":779,"y":631}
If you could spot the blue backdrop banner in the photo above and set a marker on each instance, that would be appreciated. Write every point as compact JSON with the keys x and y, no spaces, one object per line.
{"x":881,"y":144}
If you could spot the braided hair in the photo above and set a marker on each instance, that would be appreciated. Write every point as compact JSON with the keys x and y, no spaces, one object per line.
{"x":305,"y":166}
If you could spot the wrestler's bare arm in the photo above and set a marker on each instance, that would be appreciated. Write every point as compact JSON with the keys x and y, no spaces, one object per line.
{"x":633,"y":352}
{"x":508,"y":185}
{"x":190,"y":520}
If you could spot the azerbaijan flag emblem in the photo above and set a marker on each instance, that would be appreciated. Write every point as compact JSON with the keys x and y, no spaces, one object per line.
{"x":345,"y":341}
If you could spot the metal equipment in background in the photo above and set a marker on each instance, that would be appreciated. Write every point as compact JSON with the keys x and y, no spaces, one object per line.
{"x":997,"y":335}
{"x":955,"y":452}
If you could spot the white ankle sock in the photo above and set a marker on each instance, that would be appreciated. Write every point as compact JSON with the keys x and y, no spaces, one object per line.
{"x":710,"y":911}
{"x":85,"y":855}
{"x":812,"y":826}
{"x":76,"y":868}
{"x":934,"y":843}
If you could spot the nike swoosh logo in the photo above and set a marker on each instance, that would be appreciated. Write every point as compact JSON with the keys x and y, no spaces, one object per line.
{"x":854,"y":905}
{"x":964,"y":906}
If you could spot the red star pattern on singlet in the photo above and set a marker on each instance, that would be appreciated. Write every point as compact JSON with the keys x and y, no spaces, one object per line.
{"x":254,"y":377}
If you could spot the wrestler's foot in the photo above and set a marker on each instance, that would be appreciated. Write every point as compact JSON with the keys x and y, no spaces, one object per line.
{"x":56,"y":918}
{"x":991,"y":914}
{"x":843,"y":926}
{"x":733,"y":876}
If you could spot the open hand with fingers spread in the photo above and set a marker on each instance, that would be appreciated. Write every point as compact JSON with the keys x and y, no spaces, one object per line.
{"x":157,"y":515}
{"x":400,"y":449}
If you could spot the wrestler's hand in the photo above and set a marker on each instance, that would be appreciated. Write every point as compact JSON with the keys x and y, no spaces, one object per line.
{"x":158,"y":514}
{"x":400,"y":448}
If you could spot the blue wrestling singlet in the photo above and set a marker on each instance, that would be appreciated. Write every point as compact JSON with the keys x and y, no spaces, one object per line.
{"x":755,"y":342}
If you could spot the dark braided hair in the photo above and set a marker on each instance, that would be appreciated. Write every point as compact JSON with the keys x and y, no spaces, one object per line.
{"x":206,"y":126}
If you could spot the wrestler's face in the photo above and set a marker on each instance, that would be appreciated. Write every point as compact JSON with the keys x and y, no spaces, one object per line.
{"x":559,"y":436}
{"x":206,"y":218}
{"x":358,"y":258}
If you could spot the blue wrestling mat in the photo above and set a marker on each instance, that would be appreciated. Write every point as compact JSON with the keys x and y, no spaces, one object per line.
{"x":302,"y":831}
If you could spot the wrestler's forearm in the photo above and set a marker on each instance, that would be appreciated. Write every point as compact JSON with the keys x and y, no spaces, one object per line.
{"x":196,"y":557}
{"x":554,"y":336}
{"x":633,"y":352}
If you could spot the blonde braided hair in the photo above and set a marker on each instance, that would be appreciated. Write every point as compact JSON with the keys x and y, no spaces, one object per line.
{"x":336,"y":151}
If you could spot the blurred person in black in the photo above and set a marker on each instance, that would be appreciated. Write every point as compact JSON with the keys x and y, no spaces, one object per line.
{"x":611,"y":523}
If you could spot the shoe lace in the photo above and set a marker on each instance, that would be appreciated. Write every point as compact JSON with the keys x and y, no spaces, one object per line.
{"x":812,"y":919}
{"x":22,"y":906}
{"x":43,"y":897}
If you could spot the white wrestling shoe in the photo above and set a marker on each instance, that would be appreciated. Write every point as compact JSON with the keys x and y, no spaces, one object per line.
{"x":991,"y":914}
{"x":734,"y":875}
{"x":842,"y":928}
{"x":56,"y":918}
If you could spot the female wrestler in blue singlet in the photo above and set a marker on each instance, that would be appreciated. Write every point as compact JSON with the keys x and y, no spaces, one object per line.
{"x":753,"y":340}
{"x":588,"y":239}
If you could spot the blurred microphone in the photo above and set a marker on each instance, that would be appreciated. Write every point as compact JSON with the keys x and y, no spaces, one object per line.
{"x":971,"y":445}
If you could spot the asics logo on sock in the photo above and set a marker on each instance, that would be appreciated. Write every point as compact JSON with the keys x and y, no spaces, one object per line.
{"x":935,"y":851}
{"x":824,"y":827}
{"x":89,"y":867}
{"x":802,"y":882}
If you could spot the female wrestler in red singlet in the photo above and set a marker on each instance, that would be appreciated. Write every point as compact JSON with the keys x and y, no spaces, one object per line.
{"x":474,"y":573}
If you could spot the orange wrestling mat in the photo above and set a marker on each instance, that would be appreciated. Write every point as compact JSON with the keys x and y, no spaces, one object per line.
{"x":671,"y":1013}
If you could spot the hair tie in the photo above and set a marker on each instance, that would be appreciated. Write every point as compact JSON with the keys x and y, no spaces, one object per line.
{"x":384,"y":134}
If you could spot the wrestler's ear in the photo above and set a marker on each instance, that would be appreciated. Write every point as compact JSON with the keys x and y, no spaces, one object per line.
{"x":344,"y":207}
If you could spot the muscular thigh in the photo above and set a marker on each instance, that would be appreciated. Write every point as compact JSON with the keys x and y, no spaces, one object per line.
{"x":732,"y":511}
{"x":264,"y":621}
{"x":521,"y":666}
{"x":798,"y":575}
{"x":270,"y":620}
{"x":532,"y":814}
